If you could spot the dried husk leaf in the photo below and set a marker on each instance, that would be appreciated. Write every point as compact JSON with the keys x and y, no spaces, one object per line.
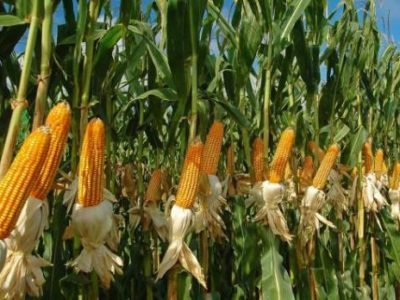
{"x":93,"y":224}
{"x":269,"y":211}
{"x":22,"y":272}
{"x":151,"y":211}
{"x":373,"y":199}
{"x":311,"y":204}
{"x":180,"y":223}
{"x":337,"y":195}
{"x":208,"y":215}
{"x":3,"y":253}
{"x":394,"y":196}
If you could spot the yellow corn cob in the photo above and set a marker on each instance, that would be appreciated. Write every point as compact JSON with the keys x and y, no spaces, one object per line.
{"x":281,"y":157}
{"x":21,"y":178}
{"x":317,"y":151}
{"x":307,"y":172}
{"x":91,"y":164}
{"x":212,"y":149}
{"x":190,"y":176}
{"x":378,"y":163}
{"x":58,"y":120}
{"x":230,"y":161}
{"x":153,"y":192}
{"x":258,"y":160}
{"x":395,"y":178}
{"x":367,"y":154}
{"x":326,"y":165}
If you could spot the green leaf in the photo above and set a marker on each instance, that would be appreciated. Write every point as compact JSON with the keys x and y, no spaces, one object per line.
{"x":341,"y":133}
{"x":394,"y":237}
{"x":108,"y":41}
{"x":275,"y":281}
{"x":157,"y":56}
{"x":10,"y":20}
{"x":224,"y":25}
{"x":233,"y":112}
{"x":357,"y":142}
{"x":296,"y":12}
{"x":326,"y":273}
{"x":179,"y":45}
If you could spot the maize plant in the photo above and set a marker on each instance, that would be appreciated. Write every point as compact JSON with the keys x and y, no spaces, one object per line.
{"x":199,"y":149}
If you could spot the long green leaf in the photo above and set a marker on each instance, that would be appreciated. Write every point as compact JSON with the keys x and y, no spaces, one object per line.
{"x":298,"y":9}
{"x":275,"y":281}
{"x":10,"y":20}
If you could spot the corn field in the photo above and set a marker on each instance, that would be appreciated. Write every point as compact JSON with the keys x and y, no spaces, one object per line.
{"x":198,"y":149}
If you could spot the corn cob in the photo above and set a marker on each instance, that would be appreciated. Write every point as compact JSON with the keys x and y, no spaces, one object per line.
{"x":326,"y":165}
{"x":58,"y":120}
{"x":378,"y":163}
{"x":21,"y":178}
{"x":212,"y":149}
{"x":367,"y":154}
{"x":317,"y":151}
{"x":258,"y":160}
{"x":230,"y":161}
{"x":395,"y":178}
{"x":91,"y":165}
{"x":281,"y":157}
{"x":190,"y":176}
{"x":307,"y":172}
{"x":153,"y":192}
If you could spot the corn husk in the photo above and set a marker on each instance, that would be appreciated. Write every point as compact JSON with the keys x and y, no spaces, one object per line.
{"x":211,"y":205}
{"x":93,"y":224}
{"x":268,"y":197}
{"x":3,"y":254}
{"x":336,"y":194}
{"x":242,"y":184}
{"x":311,"y":204}
{"x":151,"y":211}
{"x":373,"y":199}
{"x":70,"y":194}
{"x":290,"y":191}
{"x":22,"y":272}
{"x":180,"y":222}
{"x":394,"y":196}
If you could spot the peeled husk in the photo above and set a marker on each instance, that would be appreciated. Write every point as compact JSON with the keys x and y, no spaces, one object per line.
{"x":151,"y":211}
{"x":394,"y":196}
{"x":208,"y":214}
{"x":22,"y":272}
{"x":268,"y":197}
{"x":337,"y":195}
{"x":93,"y":224}
{"x":373,"y":199}
{"x":311,"y":204}
{"x":180,"y":222}
{"x":3,"y":254}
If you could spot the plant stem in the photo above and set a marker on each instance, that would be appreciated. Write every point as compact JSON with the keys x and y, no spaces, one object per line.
{"x":43,"y":82}
{"x":94,"y":292}
{"x":193,"y":40}
{"x":88,"y":63}
{"x":245,"y":133}
{"x":374,"y":260}
{"x":360,"y":202}
{"x":267,"y":101}
{"x":13,"y":128}
{"x":172,"y":289}
{"x":76,"y":113}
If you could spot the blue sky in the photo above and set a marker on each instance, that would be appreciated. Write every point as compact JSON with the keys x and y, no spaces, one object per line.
{"x":388,"y":14}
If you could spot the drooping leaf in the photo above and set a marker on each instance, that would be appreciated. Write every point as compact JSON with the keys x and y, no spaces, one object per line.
{"x":275,"y":281}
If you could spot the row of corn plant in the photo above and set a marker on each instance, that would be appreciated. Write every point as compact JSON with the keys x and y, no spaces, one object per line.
{"x":192,"y":149}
